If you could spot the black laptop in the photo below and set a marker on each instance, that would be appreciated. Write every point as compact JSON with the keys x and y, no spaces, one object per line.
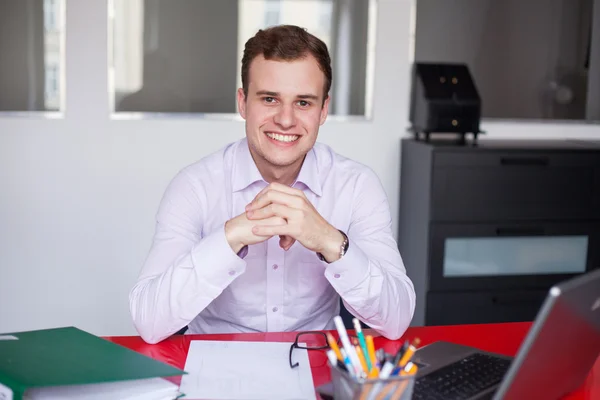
{"x":554,"y":359}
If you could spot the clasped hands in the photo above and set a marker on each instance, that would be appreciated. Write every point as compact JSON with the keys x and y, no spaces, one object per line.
{"x":284,"y":211}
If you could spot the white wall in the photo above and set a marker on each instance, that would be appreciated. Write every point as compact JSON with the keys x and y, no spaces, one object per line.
{"x":78,"y":195}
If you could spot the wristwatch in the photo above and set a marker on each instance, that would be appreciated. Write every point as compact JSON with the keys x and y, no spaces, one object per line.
{"x":343,"y":248}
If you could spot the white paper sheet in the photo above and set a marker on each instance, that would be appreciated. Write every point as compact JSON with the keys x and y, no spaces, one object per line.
{"x":221,"y":370}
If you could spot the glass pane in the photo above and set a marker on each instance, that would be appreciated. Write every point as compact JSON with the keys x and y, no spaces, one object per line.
{"x":534,"y":59}
{"x":515,"y":255}
{"x":31,"y":37}
{"x":185,"y":56}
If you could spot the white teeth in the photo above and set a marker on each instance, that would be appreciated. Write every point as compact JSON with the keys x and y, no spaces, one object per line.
{"x":283,"y":138}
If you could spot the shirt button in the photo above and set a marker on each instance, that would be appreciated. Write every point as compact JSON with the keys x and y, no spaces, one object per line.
{"x":336,"y":276}
{"x":275,"y":266}
{"x":275,"y":309}
{"x":232,"y":272}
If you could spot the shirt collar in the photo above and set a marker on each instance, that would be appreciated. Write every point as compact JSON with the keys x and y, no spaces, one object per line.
{"x":246,"y":172}
{"x":309,"y":173}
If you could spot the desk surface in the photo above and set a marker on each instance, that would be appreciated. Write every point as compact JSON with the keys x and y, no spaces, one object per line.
{"x":498,"y":338}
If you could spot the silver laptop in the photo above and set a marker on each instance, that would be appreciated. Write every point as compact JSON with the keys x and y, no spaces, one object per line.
{"x":553,"y":360}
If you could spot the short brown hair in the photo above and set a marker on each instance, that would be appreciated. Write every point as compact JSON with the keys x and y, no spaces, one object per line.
{"x":287,"y":43}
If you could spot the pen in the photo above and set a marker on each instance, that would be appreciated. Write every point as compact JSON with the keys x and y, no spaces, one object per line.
{"x":371,"y":351}
{"x":333,"y":360}
{"x":380,"y":357}
{"x":399,"y":355}
{"x":362,"y":359}
{"x":374,"y":373}
{"x":352,"y":356}
{"x":389,"y":365}
{"x":363,"y":344}
{"x":410,"y":369}
{"x":386,"y":370}
{"x":347,"y":364}
{"x":334,"y":346}
{"x":410,"y":351}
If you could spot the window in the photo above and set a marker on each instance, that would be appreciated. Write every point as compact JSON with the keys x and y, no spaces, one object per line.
{"x":185,"y":56}
{"x":51,"y":12}
{"x":31,"y":45}
{"x":51,"y":91}
{"x":272,"y":8}
{"x":532,"y":60}
{"x":325,"y":14}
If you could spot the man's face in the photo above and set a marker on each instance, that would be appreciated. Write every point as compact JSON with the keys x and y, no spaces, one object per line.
{"x":283,"y":110}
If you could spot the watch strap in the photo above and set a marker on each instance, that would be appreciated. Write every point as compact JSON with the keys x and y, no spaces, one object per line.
{"x":343,"y":248}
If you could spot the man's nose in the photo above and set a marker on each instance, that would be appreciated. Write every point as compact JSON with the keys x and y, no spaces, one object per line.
{"x":285,"y":117}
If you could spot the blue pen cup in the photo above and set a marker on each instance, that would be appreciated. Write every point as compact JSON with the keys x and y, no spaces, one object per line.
{"x":347,"y":387}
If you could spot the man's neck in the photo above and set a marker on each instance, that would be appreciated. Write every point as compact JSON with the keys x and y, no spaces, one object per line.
{"x":285,"y":175}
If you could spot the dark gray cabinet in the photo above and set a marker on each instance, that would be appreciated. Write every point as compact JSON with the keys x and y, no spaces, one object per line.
{"x":486,"y":229}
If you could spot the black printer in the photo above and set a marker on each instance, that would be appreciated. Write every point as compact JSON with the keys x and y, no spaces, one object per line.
{"x":444,"y":99}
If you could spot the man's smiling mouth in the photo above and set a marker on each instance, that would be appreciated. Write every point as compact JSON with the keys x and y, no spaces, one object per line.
{"x":283,"y":138}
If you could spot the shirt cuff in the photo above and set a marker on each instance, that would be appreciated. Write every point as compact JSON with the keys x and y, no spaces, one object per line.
{"x":243,"y":252}
{"x":349,"y":271}
{"x":216,"y":262}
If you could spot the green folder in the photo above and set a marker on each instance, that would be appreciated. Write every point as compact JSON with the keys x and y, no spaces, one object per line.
{"x":69,"y":356}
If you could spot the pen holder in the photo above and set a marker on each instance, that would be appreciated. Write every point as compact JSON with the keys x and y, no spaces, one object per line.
{"x":346,"y":387}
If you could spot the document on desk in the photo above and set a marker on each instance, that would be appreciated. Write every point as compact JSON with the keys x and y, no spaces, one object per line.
{"x":223,"y":370}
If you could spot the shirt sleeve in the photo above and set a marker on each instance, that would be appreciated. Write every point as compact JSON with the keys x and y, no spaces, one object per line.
{"x":184,"y":272}
{"x":371,"y":278}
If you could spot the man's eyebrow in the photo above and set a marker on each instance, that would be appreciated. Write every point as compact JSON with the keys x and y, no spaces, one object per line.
{"x":308,"y":96}
{"x":267,"y":93}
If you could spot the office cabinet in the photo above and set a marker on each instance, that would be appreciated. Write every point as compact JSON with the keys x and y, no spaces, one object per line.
{"x":486,"y":229}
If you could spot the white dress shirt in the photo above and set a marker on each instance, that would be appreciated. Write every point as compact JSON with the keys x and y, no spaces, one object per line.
{"x":192,"y":276}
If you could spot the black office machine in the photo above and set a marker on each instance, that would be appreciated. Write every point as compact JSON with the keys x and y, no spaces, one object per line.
{"x":486,"y":230}
{"x":444,"y":99}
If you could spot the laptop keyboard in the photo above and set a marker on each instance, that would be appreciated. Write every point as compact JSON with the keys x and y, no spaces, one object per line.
{"x":461,"y":379}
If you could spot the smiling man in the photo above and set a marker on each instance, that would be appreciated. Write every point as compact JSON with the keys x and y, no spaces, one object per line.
{"x":270,"y":232}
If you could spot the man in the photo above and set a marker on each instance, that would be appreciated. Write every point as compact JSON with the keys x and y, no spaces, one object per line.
{"x":268,"y":233}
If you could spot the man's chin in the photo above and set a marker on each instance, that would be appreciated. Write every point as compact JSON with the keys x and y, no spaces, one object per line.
{"x":283,"y":163}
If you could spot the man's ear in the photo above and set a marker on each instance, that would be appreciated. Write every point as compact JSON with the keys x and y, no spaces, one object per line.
{"x":241,"y":100}
{"x":325,"y":110}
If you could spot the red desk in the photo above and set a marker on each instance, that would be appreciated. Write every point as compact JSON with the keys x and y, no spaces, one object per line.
{"x":498,"y":338}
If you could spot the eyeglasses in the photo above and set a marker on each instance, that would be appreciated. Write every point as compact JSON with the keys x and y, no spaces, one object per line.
{"x":313,"y":340}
